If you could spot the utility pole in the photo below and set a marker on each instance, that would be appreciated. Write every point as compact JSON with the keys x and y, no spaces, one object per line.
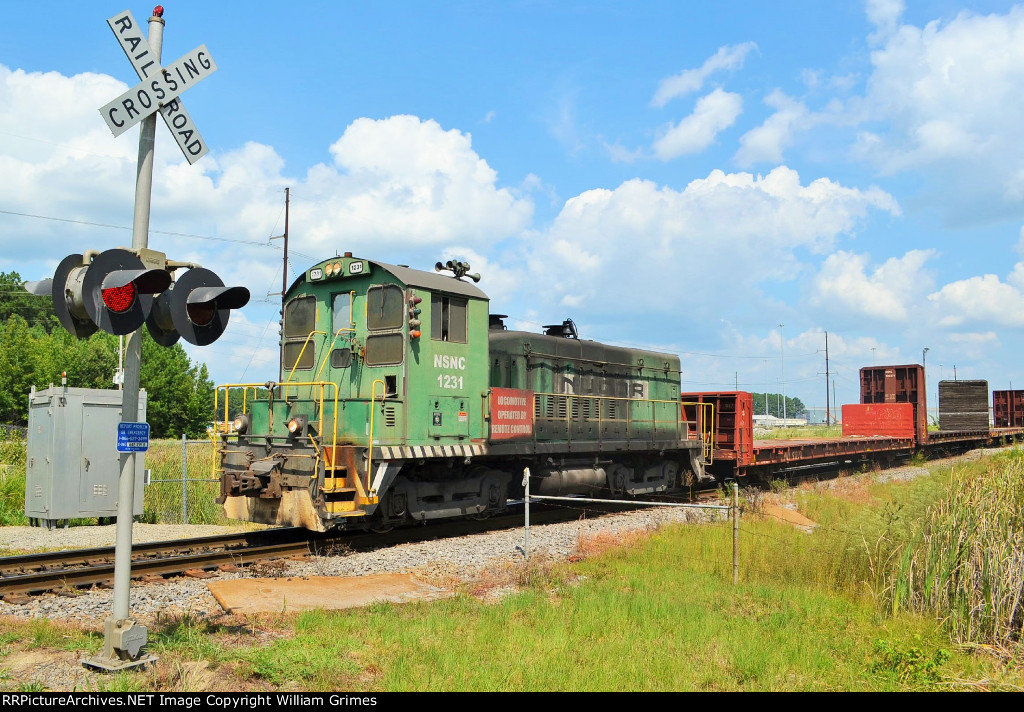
{"x":782,"y":356}
{"x":828,"y":405}
{"x":834,"y":393}
{"x":284,"y":270}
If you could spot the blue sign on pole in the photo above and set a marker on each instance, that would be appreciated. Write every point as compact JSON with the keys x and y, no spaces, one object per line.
{"x":132,"y":437}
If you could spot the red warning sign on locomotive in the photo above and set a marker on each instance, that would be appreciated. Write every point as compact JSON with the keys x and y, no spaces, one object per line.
{"x":511,"y":413}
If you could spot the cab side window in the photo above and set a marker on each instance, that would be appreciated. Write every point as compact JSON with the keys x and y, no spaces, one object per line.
{"x":385,"y":311}
{"x":384,"y":307}
{"x":448,"y":318}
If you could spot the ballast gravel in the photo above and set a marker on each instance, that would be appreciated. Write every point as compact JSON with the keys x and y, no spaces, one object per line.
{"x":457,"y":558}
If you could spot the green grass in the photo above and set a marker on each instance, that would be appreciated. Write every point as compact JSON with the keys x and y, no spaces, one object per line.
{"x":805,"y":431}
{"x":963,"y":560}
{"x":659,"y":615}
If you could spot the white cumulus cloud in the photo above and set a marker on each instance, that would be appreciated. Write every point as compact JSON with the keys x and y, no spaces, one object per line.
{"x":714,"y":112}
{"x":767,"y":141}
{"x":654,"y":248}
{"x":728,"y":57}
{"x":946,"y":98}
{"x":982,"y":299}
{"x":845,"y":283}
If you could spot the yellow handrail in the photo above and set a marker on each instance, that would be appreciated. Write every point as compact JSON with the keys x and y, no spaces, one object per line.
{"x":600,"y":411}
{"x":327,"y":354}
{"x":373,"y":399}
{"x":706,"y":433}
{"x":320,"y":401}
{"x":299,"y":358}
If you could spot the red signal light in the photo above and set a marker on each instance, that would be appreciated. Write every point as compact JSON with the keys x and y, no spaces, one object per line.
{"x":119,"y":299}
{"x":201,"y":313}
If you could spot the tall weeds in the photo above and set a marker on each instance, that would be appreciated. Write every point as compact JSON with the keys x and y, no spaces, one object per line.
{"x":965,"y":562}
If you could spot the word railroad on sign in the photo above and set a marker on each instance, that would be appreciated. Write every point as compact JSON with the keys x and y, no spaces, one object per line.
{"x":159,"y":87}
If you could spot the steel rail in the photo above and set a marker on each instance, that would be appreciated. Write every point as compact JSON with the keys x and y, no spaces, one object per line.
{"x":103,"y":573}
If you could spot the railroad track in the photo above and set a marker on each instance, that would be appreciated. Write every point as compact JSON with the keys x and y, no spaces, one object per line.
{"x":68,"y":570}
{"x":79,"y":568}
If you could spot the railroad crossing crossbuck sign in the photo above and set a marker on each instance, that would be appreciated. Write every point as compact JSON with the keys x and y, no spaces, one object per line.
{"x":159,"y":88}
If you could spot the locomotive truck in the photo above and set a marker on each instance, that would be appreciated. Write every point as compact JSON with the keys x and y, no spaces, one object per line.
{"x":402,"y":399}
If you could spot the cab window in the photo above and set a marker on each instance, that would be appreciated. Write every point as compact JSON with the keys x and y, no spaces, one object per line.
{"x":384,"y":304}
{"x":448,"y":318}
{"x":300,"y":317}
{"x":299,"y":322}
{"x":385,"y":349}
{"x":341,"y":311}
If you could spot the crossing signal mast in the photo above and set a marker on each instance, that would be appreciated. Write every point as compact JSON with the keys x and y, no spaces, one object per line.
{"x":119,"y":290}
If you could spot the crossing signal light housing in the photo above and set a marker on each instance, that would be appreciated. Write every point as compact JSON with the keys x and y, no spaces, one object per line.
{"x":118,"y":291}
{"x":65,"y":289}
{"x":196,"y":308}
{"x":113,"y":292}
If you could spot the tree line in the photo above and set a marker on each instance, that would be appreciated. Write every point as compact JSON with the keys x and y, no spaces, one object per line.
{"x":794,"y":406}
{"x":35,"y":349}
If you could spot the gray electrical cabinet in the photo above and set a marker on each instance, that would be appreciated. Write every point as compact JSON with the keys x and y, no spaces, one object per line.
{"x":72,"y":464}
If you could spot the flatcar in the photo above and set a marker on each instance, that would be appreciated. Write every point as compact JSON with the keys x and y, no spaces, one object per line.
{"x":402,"y":399}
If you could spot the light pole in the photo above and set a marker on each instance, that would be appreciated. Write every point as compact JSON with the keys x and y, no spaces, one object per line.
{"x":924,"y":374}
{"x":766,"y":387}
{"x":782,"y":357}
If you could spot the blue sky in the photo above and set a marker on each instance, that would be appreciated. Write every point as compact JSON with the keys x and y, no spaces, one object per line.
{"x":676,"y":176}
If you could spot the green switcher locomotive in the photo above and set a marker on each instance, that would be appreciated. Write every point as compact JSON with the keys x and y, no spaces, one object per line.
{"x":403,"y":400}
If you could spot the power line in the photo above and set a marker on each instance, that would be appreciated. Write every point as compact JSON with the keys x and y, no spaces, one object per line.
{"x":124,"y":227}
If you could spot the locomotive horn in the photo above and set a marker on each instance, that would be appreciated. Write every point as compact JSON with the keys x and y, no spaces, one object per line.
{"x":438,"y":266}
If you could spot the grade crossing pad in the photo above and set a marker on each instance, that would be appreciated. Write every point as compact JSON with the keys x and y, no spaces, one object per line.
{"x":284,"y":595}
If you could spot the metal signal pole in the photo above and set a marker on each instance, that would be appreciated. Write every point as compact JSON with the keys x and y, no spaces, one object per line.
{"x":123,"y":639}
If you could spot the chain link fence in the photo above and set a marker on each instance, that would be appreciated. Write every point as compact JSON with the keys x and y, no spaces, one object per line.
{"x":182,"y":487}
